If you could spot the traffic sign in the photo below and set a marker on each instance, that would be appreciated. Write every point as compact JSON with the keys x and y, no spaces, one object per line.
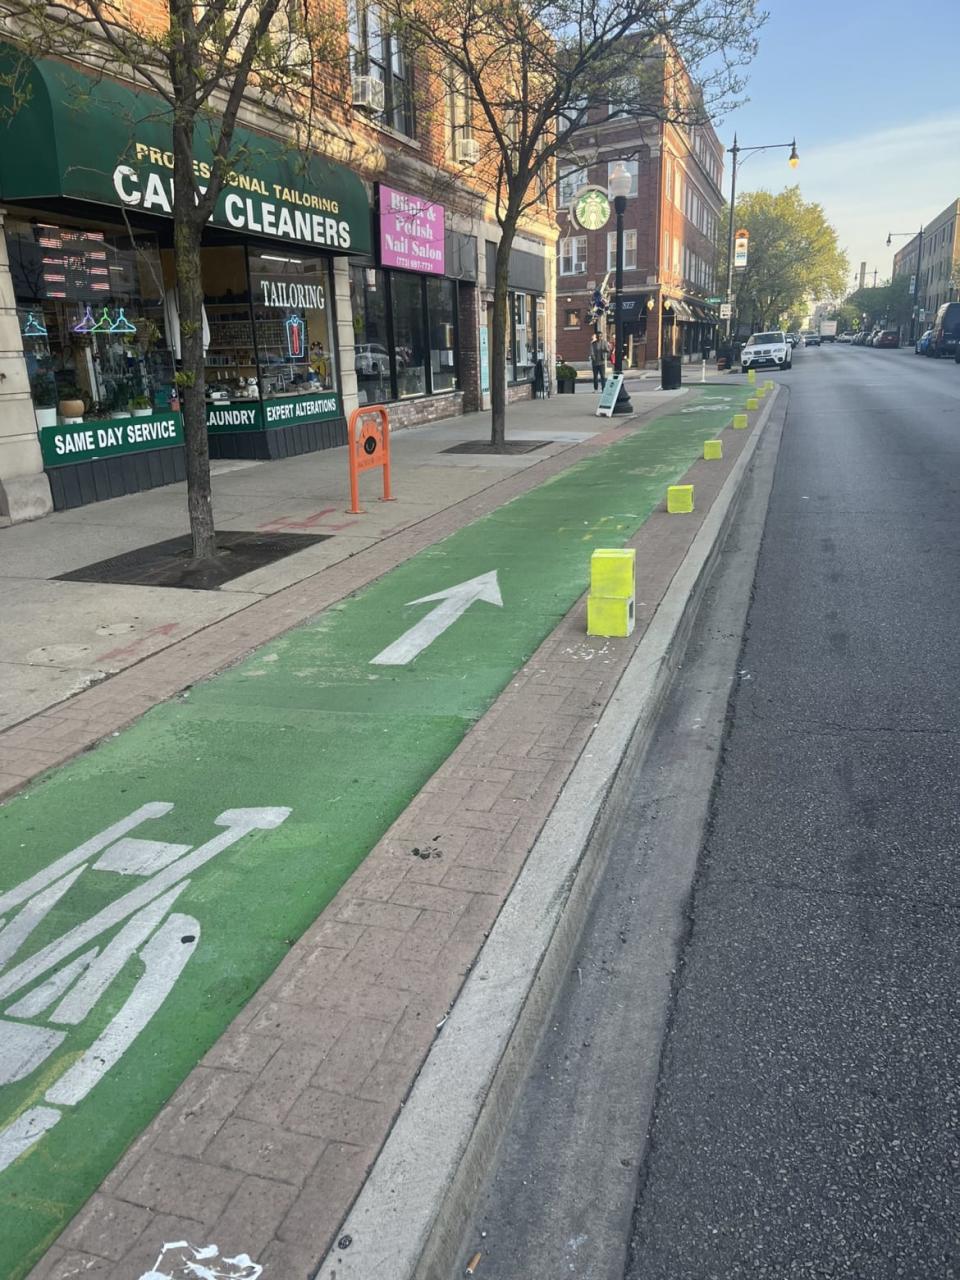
{"x":726,"y":310}
{"x":712,"y":302}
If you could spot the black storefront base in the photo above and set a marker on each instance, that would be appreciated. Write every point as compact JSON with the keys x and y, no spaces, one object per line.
{"x":280,"y":442}
{"x":78,"y":483}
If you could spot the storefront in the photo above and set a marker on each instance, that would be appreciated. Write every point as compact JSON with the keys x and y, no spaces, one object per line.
{"x":526,"y":313}
{"x":408,"y":306}
{"x":86,"y":181}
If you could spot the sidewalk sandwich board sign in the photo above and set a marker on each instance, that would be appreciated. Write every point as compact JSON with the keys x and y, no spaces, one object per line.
{"x":611,"y":389}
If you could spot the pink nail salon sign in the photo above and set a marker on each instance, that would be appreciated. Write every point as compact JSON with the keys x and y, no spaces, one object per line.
{"x":411,"y":232}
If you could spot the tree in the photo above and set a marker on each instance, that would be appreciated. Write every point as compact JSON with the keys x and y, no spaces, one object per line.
{"x":793,"y":255}
{"x":889,"y":305}
{"x":201,"y":60}
{"x":539,"y":71}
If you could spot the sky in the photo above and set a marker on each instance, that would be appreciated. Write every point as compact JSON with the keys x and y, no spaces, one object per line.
{"x":871,"y":91}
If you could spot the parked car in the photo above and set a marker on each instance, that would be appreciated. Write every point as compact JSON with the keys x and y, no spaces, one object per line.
{"x":766,"y":349}
{"x":845,"y":337}
{"x":945,"y":338}
{"x":811,"y":339}
{"x":922,"y":345}
{"x":888,"y":338}
{"x":793,"y":339}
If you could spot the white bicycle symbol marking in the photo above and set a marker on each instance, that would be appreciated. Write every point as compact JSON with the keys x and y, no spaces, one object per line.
{"x":75,"y":974}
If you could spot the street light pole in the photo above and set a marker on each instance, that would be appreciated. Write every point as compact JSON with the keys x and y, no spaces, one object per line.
{"x":736,"y":150}
{"x":620,"y":184}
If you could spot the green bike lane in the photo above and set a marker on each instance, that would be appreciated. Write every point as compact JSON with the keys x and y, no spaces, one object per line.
{"x":152,"y":885}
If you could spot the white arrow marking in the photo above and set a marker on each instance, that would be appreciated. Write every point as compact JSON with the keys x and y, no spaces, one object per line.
{"x":455,"y":601}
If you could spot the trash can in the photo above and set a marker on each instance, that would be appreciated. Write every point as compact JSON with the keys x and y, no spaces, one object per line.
{"x":670,"y":370}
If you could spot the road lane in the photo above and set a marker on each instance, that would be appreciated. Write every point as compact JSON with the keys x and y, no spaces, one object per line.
{"x":809,"y":1101}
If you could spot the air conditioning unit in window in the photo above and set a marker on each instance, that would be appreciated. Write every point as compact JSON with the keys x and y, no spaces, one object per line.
{"x":368,"y":94}
{"x":468,"y":150}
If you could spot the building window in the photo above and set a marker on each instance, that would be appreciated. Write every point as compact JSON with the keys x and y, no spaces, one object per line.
{"x":409,"y":338}
{"x":371,"y":352}
{"x":442,"y":320}
{"x":573,"y":257}
{"x":292,"y":324}
{"x":632,"y":167}
{"x":569,"y":183}
{"x":571,"y":319}
{"x":629,"y":250}
{"x":459,"y":109}
{"x":378,"y":52}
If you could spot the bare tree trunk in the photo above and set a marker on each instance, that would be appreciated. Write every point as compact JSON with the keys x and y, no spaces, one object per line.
{"x":187,"y":233}
{"x":498,"y":353}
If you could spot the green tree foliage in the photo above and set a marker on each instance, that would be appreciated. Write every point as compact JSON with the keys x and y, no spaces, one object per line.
{"x":793,"y":255}
{"x":888,"y":306}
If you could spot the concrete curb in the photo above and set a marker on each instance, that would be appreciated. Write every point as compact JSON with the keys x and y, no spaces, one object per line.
{"x":409,"y":1218}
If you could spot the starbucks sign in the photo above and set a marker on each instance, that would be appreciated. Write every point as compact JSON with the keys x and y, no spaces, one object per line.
{"x":591,"y":208}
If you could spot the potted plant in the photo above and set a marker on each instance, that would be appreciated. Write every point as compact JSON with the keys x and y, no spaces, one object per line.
{"x":566,"y":379}
{"x":141,"y":407}
{"x":71,"y":405}
{"x":43,"y":389}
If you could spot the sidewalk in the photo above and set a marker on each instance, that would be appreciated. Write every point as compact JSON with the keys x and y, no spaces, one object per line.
{"x":59,"y":638}
{"x":266,"y":1143}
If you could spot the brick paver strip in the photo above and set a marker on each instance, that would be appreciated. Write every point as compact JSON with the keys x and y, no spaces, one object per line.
{"x":296,"y":1098}
{"x":35,"y":745}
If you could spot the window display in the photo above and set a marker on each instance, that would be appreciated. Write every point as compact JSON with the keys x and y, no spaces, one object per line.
{"x":292,"y":321}
{"x":405,"y":331}
{"x":91,"y":314}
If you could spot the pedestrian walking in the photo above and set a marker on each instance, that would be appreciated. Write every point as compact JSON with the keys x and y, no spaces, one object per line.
{"x":598,"y":361}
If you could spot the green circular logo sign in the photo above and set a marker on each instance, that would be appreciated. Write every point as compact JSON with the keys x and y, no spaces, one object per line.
{"x":592,"y":209}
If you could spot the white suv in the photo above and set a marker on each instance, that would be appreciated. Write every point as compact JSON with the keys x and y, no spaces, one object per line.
{"x":766,"y":348}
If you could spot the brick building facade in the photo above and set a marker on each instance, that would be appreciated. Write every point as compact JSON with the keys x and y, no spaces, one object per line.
{"x":671,"y":224}
{"x":939,"y":258}
{"x":346,"y":265}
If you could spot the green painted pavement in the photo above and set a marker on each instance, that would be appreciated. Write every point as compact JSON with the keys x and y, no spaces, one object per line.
{"x":306,"y":724}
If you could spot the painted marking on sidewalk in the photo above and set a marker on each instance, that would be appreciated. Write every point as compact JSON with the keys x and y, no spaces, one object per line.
{"x":455,"y":602}
{"x":307,"y":727}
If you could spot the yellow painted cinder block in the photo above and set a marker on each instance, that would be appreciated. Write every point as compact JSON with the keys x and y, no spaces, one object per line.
{"x":679,"y":499}
{"x":752,"y":376}
{"x":753,"y":403}
{"x":712,"y":449}
{"x":769,"y":384}
{"x":607,"y":616}
{"x":740,"y":421}
{"x":612,"y":572}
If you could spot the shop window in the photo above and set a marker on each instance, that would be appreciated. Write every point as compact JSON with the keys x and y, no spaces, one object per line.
{"x":541,"y":328}
{"x":523,"y":336}
{"x":368,"y":296}
{"x":90,"y":306}
{"x":571,"y":319}
{"x":408,"y":334}
{"x":377,"y":51}
{"x":442,"y":318}
{"x":632,"y":167}
{"x":292,"y":323}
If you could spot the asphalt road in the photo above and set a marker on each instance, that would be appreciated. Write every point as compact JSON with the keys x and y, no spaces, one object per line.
{"x":806,"y":1113}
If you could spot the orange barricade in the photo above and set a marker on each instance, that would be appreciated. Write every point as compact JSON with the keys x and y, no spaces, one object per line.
{"x":368,"y":444}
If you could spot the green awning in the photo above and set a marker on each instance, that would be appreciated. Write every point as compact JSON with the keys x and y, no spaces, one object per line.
{"x":96,"y":140}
